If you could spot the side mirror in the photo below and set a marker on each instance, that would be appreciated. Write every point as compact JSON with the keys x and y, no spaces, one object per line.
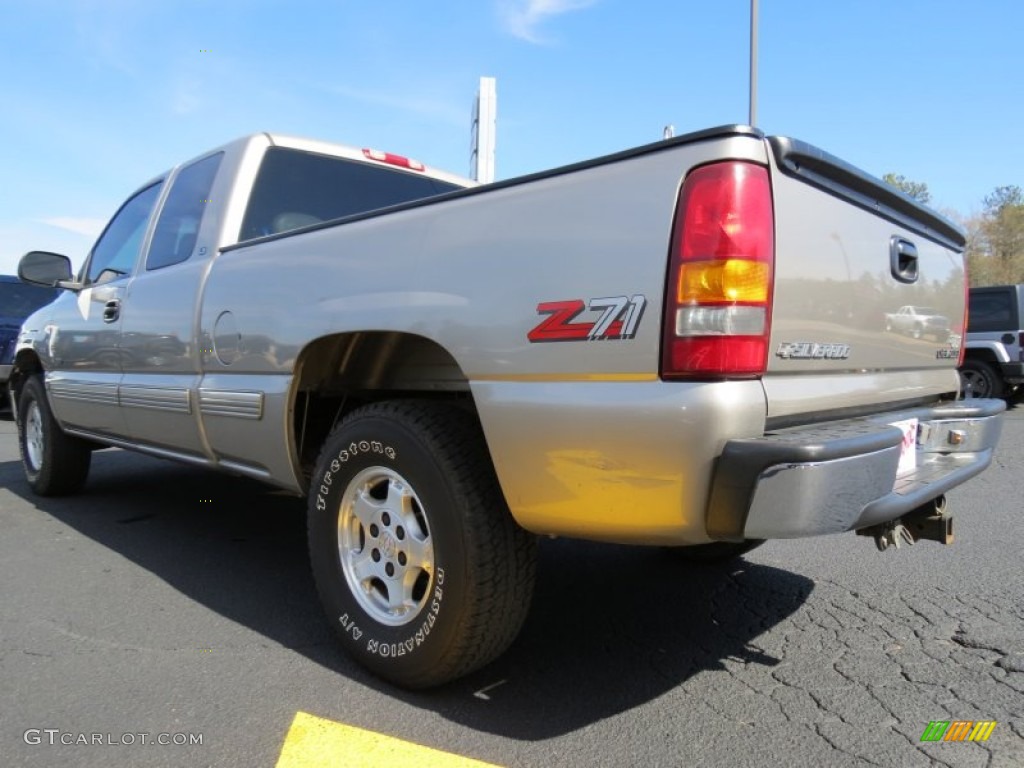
{"x":52,"y":270}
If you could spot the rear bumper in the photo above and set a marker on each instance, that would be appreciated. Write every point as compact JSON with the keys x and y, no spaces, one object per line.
{"x":842,"y":476}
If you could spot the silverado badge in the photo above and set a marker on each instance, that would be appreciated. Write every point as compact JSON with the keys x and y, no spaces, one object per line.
{"x":812,"y":350}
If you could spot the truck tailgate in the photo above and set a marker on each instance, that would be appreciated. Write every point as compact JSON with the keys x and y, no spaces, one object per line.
{"x":850,"y":251}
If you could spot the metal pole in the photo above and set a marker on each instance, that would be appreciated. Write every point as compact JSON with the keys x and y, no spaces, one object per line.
{"x":753,"y":62}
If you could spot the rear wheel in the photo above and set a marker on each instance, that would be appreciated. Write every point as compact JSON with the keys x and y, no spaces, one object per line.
{"x":979,"y":379}
{"x":716,"y":552}
{"x":55,"y":463}
{"x":421,"y":569}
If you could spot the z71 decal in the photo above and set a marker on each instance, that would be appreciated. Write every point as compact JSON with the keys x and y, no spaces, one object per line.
{"x":619,"y":319}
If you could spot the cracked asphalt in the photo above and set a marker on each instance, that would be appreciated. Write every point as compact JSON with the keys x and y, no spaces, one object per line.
{"x":166,"y":599}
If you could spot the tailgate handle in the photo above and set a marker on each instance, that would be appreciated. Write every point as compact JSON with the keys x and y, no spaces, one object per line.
{"x":903,"y":259}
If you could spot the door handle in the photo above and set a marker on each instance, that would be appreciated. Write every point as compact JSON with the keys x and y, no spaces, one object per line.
{"x":903,"y":259}
{"x":112,"y":311}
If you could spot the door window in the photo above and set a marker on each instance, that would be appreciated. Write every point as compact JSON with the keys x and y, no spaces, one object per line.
{"x":117,"y":249}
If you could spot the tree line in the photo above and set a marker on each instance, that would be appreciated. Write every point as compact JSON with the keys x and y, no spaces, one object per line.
{"x":995,"y":237}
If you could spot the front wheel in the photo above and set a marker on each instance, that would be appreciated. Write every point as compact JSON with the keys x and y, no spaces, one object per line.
{"x":421,"y":569}
{"x":55,"y":463}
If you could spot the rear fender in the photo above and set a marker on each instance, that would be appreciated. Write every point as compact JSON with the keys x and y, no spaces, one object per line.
{"x":988,"y":350}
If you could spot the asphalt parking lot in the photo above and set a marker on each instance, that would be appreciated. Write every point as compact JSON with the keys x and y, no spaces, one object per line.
{"x":172,"y":602}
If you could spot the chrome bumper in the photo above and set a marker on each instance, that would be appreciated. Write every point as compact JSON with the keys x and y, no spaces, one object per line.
{"x":842,"y":476}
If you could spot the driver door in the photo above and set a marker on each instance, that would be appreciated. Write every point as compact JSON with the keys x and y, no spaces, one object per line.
{"x":85,"y":328}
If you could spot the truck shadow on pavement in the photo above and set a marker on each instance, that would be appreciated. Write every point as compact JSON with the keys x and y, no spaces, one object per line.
{"x":614,"y":627}
{"x":611,"y":627}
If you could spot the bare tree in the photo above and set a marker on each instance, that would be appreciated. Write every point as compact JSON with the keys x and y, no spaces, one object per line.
{"x":996,"y":239}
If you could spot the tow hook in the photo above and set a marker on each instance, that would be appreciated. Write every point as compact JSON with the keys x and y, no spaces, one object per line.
{"x":928,"y":521}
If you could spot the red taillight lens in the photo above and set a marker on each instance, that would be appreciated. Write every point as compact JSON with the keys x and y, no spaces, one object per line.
{"x":718,"y":300}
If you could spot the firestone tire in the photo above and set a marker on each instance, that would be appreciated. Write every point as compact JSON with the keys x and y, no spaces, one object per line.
{"x":422,"y":571}
{"x":979,"y":379}
{"x":56,"y":464}
{"x":716,"y":552}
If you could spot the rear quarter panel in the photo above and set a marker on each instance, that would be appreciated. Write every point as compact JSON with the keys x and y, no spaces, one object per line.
{"x":469,"y":272}
{"x":574,"y":428}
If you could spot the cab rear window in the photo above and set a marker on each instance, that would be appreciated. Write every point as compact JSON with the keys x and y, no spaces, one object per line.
{"x":294,"y":189}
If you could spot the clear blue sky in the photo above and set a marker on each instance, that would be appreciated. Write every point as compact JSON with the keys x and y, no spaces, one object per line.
{"x":100,"y":95}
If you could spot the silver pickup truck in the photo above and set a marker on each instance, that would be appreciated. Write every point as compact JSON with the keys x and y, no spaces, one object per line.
{"x":677,"y":345}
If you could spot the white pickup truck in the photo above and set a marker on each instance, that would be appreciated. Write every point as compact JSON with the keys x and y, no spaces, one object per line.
{"x":918,"y":322}
{"x":677,"y":345}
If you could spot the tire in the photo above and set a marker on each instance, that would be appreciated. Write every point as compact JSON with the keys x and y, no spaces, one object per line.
{"x":979,"y":379}
{"x":716,"y":552}
{"x":888,"y":327}
{"x":918,"y":332}
{"x":56,"y":464}
{"x":422,"y":571}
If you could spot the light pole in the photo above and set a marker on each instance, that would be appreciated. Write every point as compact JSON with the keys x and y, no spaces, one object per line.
{"x":753,"y":62}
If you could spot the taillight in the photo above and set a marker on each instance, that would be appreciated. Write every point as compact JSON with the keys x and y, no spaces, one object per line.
{"x":390,"y":159}
{"x":718,"y":302}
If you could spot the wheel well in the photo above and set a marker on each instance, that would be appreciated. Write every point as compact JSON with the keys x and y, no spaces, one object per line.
{"x":25,"y":364}
{"x":983,"y":354}
{"x":336,"y":374}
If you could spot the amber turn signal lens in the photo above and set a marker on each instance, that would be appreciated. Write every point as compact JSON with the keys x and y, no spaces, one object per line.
{"x":724,"y":282}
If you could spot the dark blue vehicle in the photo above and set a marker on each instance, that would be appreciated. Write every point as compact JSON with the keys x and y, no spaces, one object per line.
{"x":18,"y":300}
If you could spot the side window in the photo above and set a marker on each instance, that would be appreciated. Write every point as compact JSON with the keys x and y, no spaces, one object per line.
{"x":118,"y":247}
{"x":178,"y":226}
{"x":989,"y":312}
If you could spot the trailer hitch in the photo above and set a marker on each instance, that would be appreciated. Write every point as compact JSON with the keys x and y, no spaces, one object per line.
{"x":929,"y":521}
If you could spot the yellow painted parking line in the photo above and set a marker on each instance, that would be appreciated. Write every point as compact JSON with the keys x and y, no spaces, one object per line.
{"x":313,"y":742}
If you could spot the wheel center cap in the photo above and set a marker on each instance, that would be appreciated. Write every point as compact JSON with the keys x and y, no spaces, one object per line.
{"x":388,"y":545}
